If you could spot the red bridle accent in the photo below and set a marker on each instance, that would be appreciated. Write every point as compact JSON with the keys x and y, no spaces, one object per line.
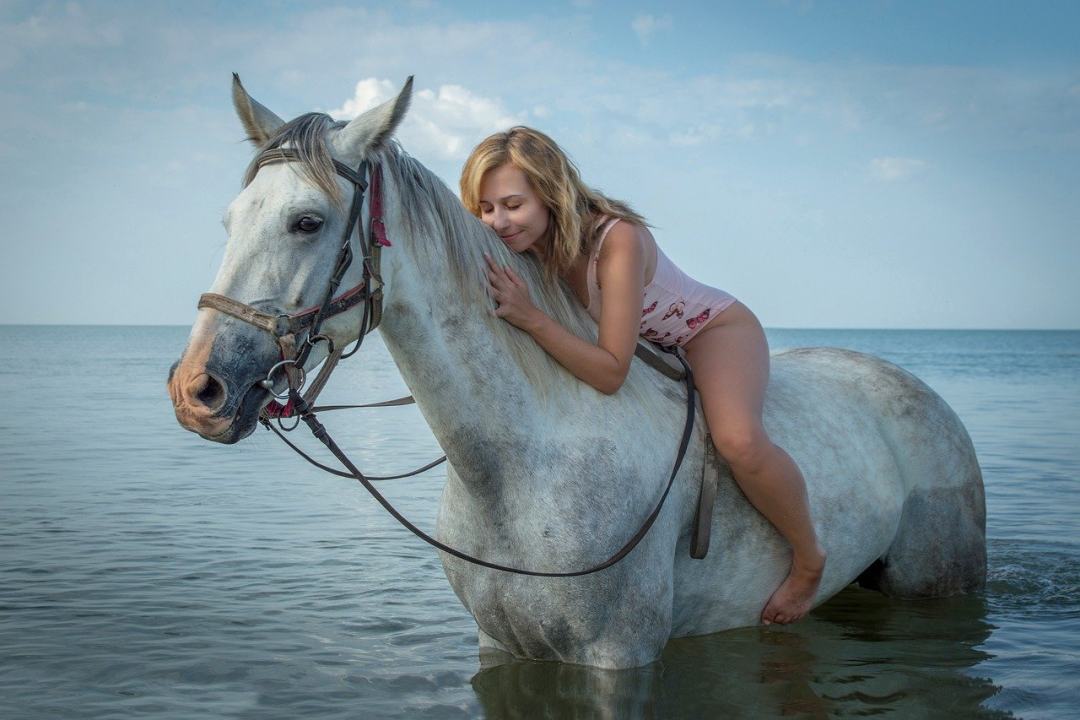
{"x":375,"y":209}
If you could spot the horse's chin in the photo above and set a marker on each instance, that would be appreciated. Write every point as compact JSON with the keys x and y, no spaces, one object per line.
{"x":246,"y":418}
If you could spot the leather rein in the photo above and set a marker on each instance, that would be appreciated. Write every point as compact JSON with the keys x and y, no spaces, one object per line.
{"x":307,"y":323}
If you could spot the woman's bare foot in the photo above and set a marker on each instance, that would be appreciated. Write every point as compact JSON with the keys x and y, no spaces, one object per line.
{"x":792,"y":600}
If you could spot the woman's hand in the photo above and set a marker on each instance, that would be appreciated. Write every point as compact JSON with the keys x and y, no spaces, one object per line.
{"x":511,"y":295}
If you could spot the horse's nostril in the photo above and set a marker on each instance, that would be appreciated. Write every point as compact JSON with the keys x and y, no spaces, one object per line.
{"x":208,"y":391}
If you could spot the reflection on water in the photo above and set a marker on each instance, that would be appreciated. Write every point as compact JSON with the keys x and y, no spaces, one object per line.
{"x":527,"y":689}
{"x":861,"y":654}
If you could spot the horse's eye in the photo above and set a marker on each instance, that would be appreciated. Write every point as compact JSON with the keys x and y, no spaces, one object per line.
{"x":308,"y":224}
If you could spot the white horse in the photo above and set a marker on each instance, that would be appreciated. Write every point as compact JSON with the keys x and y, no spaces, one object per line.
{"x":544,"y":472}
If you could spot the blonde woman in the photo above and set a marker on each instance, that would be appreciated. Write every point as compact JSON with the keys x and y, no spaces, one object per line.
{"x":524,"y":187}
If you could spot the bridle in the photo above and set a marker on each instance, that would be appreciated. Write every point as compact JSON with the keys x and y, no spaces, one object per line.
{"x":307,"y":323}
{"x":286,"y":328}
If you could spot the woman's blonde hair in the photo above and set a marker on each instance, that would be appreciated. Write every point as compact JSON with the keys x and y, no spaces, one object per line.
{"x":575,"y":207}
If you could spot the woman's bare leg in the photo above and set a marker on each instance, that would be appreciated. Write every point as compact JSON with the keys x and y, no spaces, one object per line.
{"x":730,"y":360}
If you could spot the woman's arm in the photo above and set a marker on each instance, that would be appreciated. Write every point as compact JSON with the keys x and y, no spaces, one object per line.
{"x":621,"y":275}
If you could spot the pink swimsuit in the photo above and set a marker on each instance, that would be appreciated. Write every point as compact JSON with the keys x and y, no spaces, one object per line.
{"x":676,"y":307}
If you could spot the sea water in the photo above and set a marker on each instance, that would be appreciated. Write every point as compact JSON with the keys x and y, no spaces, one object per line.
{"x":145,"y":572}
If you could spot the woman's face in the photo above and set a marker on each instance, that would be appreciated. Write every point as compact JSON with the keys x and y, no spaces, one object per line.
{"x":510,"y":206}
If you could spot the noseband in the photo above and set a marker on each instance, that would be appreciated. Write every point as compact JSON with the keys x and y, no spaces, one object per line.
{"x":286,"y":327}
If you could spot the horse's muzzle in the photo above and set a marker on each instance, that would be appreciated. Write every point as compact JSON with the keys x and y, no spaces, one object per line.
{"x":219,"y":403}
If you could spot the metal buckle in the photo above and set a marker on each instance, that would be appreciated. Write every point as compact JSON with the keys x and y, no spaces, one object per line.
{"x":316,"y":339}
{"x":268,"y":383}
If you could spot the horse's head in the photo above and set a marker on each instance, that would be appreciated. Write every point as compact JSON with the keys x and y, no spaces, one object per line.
{"x":286,"y":230}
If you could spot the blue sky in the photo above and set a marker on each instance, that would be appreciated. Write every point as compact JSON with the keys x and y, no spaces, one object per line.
{"x":832,"y":164}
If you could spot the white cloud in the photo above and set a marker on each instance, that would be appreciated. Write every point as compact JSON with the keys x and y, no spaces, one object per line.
{"x":892,"y":169}
{"x":645,"y":25}
{"x":768,"y":93}
{"x":369,"y":92}
{"x":444,"y":122}
{"x":709,"y":132}
{"x":696,"y":134}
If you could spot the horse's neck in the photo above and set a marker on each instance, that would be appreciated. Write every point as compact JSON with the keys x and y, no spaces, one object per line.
{"x":471,"y":391}
{"x":504,"y":438}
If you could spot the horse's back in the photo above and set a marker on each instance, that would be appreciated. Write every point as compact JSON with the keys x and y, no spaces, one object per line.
{"x":938,"y":547}
{"x":922,"y":431}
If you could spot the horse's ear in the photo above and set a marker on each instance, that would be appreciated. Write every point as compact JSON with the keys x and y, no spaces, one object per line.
{"x":374,"y":127}
{"x":259,"y":123}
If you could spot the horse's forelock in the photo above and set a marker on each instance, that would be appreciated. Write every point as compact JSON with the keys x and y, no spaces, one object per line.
{"x":307,"y":135}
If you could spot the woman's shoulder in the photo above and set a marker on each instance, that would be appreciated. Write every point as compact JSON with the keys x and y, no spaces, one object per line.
{"x":619,"y":235}
{"x":625,"y":249}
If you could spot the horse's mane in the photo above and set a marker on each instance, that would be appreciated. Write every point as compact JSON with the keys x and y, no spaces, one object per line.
{"x":448,"y":235}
